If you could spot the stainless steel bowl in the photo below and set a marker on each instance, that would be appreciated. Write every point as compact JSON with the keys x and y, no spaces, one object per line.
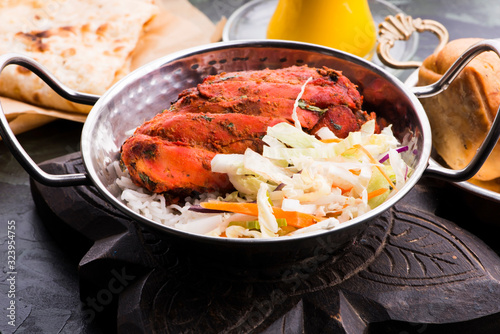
{"x":150,"y":89}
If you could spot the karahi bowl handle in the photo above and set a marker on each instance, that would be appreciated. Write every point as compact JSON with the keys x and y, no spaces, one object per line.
{"x":10,"y":139}
{"x":493,"y":136}
{"x":401,"y":27}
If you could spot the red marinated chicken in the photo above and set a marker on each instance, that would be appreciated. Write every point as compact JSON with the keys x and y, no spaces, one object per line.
{"x":228,"y":113}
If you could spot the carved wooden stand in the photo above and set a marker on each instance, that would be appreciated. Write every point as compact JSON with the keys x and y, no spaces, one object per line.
{"x":410,"y":271}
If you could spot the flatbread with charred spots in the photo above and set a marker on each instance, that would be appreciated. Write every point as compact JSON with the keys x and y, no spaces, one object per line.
{"x":87,"y":45}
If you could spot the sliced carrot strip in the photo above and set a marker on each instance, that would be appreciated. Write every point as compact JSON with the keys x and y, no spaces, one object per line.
{"x":376,"y":193}
{"x":376,"y":163}
{"x":245,"y":208}
{"x":332,"y":140}
{"x":293,"y":218}
{"x":355,"y":171}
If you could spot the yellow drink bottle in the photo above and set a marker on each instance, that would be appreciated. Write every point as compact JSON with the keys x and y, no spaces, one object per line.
{"x":341,"y":24}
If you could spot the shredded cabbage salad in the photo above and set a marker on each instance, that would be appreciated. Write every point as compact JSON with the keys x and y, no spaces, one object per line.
{"x":303,"y":183}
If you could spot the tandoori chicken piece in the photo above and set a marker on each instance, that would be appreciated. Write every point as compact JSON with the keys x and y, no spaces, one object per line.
{"x":230,"y":112}
{"x":172,"y":152}
{"x":162,"y":166}
{"x":223,"y":133}
{"x":272,"y":93}
{"x":327,"y":87}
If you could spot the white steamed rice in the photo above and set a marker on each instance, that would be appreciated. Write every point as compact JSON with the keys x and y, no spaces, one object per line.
{"x":153,"y":206}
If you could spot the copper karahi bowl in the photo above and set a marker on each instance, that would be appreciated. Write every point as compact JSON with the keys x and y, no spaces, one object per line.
{"x":151,"y":88}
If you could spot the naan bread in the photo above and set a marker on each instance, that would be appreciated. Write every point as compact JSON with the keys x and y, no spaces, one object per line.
{"x":87,"y":45}
{"x":461,"y":116}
